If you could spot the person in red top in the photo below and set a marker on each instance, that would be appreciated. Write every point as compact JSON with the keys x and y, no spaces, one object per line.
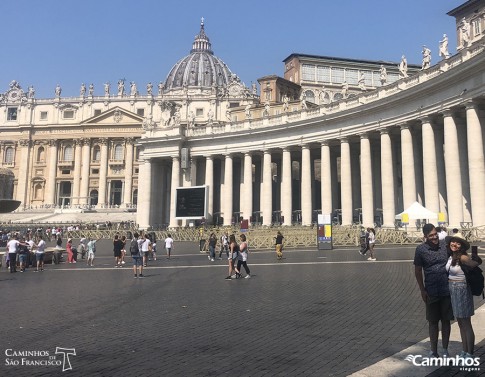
{"x":70,"y":254}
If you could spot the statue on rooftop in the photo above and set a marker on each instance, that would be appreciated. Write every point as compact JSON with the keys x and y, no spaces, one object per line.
{"x":91,"y":90}
{"x":426,"y":58}
{"x":403,"y":67}
{"x":82,"y":91}
{"x":444,"y":47}
{"x":383,"y":75}
{"x":58,"y":90}
{"x":465,"y":32}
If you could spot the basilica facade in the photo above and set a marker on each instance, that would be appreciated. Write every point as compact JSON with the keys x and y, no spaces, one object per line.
{"x":361,"y":140}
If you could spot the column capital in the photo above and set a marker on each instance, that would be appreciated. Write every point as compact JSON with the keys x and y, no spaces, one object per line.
{"x":405,"y":126}
{"x":130,"y":140}
{"x":384,"y":130}
{"x":446,"y":113}
{"x":344,"y":140}
{"x":52,"y":143}
{"x":470,"y":105}
{"x":78,"y":142}
{"x":103,"y":141}
{"x":425,"y":119}
{"x":228,"y":155}
{"x":324,"y":143}
{"x":25,"y":142}
{"x":86,"y":141}
{"x":364,"y":135}
{"x":209,"y":157}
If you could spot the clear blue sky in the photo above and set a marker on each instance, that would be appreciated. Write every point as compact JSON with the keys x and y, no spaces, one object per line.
{"x":46,"y":42}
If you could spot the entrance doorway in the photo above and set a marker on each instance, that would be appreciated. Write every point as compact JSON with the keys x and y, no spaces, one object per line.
{"x":116,"y":192}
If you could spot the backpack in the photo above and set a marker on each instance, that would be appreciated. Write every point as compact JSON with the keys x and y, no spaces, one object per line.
{"x":134,"y":251}
{"x":474,"y":278}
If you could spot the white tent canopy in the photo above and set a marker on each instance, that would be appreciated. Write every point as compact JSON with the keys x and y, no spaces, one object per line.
{"x":417,"y":212}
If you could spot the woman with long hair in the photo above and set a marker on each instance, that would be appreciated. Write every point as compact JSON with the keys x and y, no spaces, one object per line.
{"x":233,"y":254}
{"x":242,"y":258}
{"x":460,"y":291}
{"x":372,"y":242}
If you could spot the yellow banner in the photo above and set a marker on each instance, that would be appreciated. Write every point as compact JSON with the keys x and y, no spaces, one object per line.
{"x":405,"y":218}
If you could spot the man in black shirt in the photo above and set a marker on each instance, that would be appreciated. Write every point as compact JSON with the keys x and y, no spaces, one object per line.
{"x":430,"y":258}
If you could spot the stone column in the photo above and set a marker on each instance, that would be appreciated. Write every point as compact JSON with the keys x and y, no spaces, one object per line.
{"x":77,"y":172}
{"x":228,"y":187}
{"x":50,"y":194}
{"x":247,"y":210}
{"x":22,"y":159}
{"x":193,"y":171}
{"x":144,"y":207}
{"x":103,"y":173}
{"x":476,"y":164}
{"x":306,"y":186}
{"x":408,"y":173}
{"x":454,"y":192}
{"x":209,"y":181}
{"x":346,"y":182}
{"x":326,"y":179}
{"x":128,"y":189}
{"x":366,"y":186}
{"x":86,"y":159}
{"x":173,"y":190}
{"x":286,"y":190}
{"x":267,"y":197}
{"x":387,"y":174}
{"x":430,"y":172}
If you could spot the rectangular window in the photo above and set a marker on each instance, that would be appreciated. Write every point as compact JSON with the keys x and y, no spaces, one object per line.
{"x":97,"y":112}
{"x":140,"y":112}
{"x":308,"y":72}
{"x":199,"y":112}
{"x":68,"y":114}
{"x":136,"y":170}
{"x":323,"y":74}
{"x":43,"y":115}
{"x":233,"y":104}
{"x":66,"y":172}
{"x":94,"y":171}
{"x":12,"y":113}
{"x":476,"y":27}
{"x":351,"y":76}
{"x":337,"y":75}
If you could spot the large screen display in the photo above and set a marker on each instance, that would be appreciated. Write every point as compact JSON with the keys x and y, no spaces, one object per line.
{"x":190,"y":202}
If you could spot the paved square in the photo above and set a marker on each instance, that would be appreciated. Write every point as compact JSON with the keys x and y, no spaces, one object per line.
{"x":316,"y":313}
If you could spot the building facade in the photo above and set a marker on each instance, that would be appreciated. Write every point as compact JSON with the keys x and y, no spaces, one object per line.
{"x":296,"y":149}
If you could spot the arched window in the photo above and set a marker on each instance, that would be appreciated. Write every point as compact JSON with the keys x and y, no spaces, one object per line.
{"x":310,"y":96}
{"x":135,"y":197}
{"x":96,"y":153}
{"x":337,"y":96}
{"x":9,"y":155}
{"x":38,"y":191}
{"x":41,"y":154}
{"x":68,"y":153}
{"x":94,"y":197}
{"x":118,"y":152}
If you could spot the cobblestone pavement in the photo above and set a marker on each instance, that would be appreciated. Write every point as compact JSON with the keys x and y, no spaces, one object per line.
{"x":315,"y":313}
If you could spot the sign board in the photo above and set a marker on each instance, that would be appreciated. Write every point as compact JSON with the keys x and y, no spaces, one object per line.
{"x":324,"y":232}
{"x":441,"y":218}
{"x":405,"y":219}
{"x":191,"y":202}
{"x":244,"y":226}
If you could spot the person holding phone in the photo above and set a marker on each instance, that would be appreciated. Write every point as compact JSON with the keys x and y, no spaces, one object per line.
{"x":460,"y":291}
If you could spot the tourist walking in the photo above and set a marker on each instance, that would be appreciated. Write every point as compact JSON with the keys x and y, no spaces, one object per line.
{"x":135,"y":251}
{"x":242,"y":258}
{"x":39,"y":254}
{"x":23,"y":252}
{"x":212,"y":247}
{"x":169,"y":245}
{"x":232,"y":255}
{"x":91,"y":251}
{"x":372,"y":242}
{"x":70,"y":253}
{"x":12,"y":247}
{"x":224,"y":245}
{"x":431,"y":258}
{"x":117,"y":250}
{"x":145,"y":248}
{"x":279,"y":245}
{"x":460,"y":291}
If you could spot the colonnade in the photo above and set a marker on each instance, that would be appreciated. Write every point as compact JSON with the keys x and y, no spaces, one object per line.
{"x":369,"y":177}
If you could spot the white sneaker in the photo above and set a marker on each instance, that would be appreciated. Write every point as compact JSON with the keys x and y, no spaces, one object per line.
{"x":209,"y":257}
{"x":247,"y":277}
{"x":212,"y":259}
{"x":369,"y":258}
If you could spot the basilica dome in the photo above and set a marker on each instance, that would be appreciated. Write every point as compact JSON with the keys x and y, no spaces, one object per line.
{"x":201,"y":68}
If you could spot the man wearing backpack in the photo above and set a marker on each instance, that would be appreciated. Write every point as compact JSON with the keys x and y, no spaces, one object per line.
{"x":137,"y":256}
